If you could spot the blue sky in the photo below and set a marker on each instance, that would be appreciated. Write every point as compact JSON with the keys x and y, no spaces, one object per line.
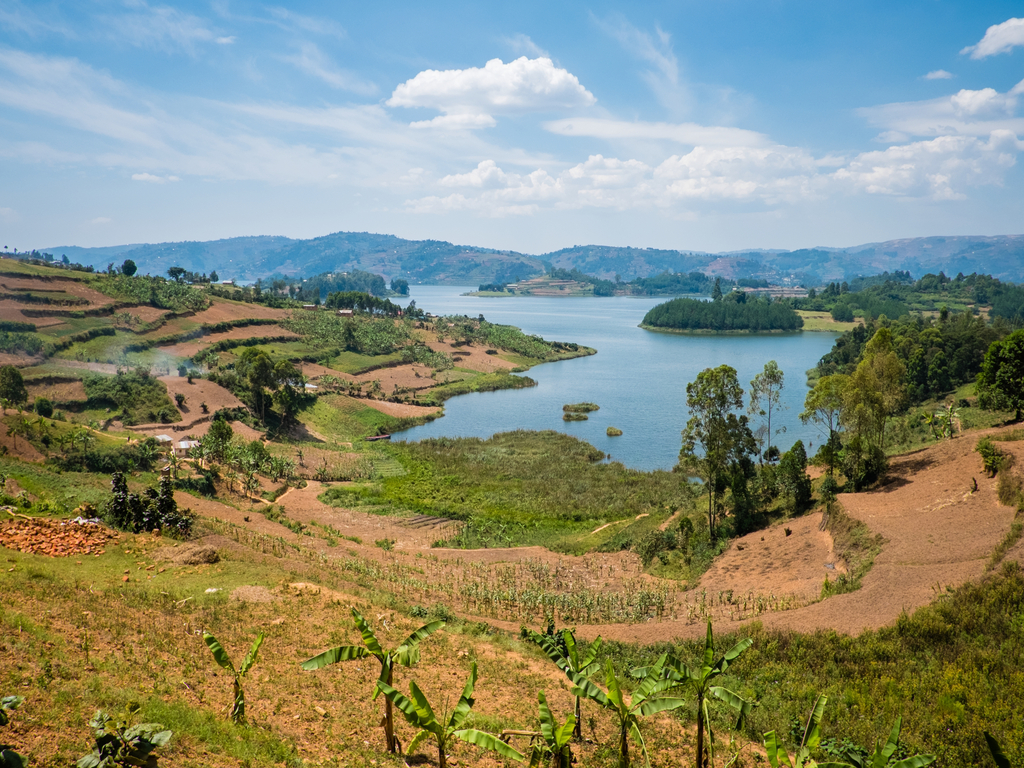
{"x":530,"y":126}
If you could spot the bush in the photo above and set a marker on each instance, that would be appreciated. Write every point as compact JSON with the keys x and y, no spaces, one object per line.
{"x":44,"y":407}
{"x":992,"y":459}
{"x":152,"y":510}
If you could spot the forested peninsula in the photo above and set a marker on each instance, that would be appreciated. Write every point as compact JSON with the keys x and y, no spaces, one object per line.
{"x":734,"y":313}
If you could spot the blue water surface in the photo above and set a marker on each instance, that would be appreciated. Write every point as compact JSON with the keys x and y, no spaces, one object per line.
{"x":638,"y":377}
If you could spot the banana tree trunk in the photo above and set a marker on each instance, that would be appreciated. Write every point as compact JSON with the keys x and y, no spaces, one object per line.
{"x":624,"y":747}
{"x":700,"y":734}
{"x":577,"y":732}
{"x":442,"y":759}
{"x":389,"y":720}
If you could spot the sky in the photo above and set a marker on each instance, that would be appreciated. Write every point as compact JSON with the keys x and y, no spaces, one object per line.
{"x":529,"y":126}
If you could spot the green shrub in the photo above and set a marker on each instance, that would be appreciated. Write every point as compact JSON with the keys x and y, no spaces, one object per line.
{"x":44,"y":407}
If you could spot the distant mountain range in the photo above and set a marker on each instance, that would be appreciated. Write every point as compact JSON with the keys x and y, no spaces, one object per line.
{"x":434,"y":261}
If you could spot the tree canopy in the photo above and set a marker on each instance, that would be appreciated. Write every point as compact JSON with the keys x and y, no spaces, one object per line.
{"x":724,"y":315}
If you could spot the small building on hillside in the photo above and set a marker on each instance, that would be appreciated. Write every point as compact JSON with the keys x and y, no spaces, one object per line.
{"x":182,"y":447}
{"x":346,"y":312}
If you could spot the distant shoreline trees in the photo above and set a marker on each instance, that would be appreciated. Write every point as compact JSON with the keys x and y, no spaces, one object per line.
{"x":728,"y":314}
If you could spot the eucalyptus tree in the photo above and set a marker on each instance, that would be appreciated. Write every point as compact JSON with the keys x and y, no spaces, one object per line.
{"x":766,"y":398}
{"x":644,"y":701}
{"x":406,"y":654}
{"x":824,"y":405}
{"x":568,"y":657}
{"x":237,"y":709}
{"x":420,"y":714}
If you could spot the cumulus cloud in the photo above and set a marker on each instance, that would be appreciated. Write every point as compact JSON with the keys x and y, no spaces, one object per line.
{"x":939,"y":74}
{"x":682,"y":133}
{"x":939,"y":168}
{"x":311,"y":60}
{"x":999,"y":38}
{"x":523,"y":85}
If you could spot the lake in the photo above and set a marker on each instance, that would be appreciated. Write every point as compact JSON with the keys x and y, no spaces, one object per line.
{"x":638,"y":377}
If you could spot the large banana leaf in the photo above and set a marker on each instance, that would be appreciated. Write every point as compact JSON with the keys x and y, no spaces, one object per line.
{"x":219,"y":654}
{"x":418,"y":739}
{"x":584,"y":687}
{"x":489,"y":741}
{"x":547,"y":721}
{"x":777,"y":754}
{"x":638,"y":737}
{"x":881,"y":756}
{"x":734,"y":700}
{"x":369,"y":639}
{"x":733,"y":652}
{"x":426,"y":712}
{"x":407,"y":708}
{"x":659,"y":704}
{"x":709,"y":649}
{"x":336,"y":654}
{"x":614,"y":692}
{"x":590,"y":657}
{"x":250,"y":657}
{"x":812,"y":732}
{"x":462,"y":709}
{"x":408,"y":653}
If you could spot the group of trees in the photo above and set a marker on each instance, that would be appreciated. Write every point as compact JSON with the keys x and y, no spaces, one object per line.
{"x":721,"y":449}
{"x":360,"y":301}
{"x":731,"y":313}
{"x":153,"y":509}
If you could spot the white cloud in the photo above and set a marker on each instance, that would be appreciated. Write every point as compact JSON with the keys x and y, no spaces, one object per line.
{"x":939,"y":168}
{"x":522,"y":45}
{"x":523,"y":85}
{"x":999,"y":38}
{"x":683,"y":133}
{"x":228,"y":40}
{"x":162,"y":27}
{"x":939,"y":74}
{"x":152,"y":178}
{"x":101,"y":220}
{"x":458,"y":122}
{"x":967,"y":113}
{"x":313,"y":24}
{"x":311,"y":60}
{"x":983,"y":102}
{"x":663,"y":76}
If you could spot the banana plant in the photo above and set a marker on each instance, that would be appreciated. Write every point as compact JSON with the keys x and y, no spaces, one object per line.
{"x":883,"y":753}
{"x":421,"y":715}
{"x":406,"y":654}
{"x":571,"y":661}
{"x":644,"y":701}
{"x":779,"y":756}
{"x":554,"y":749}
{"x":698,"y":679}
{"x":998,"y":756}
{"x":237,"y":710}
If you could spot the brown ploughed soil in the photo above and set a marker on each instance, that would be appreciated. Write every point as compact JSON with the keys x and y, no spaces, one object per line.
{"x":404,"y":376}
{"x":193,"y":346}
{"x":221,"y":311}
{"x":475,"y":358}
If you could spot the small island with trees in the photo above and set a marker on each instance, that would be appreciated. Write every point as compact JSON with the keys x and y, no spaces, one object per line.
{"x":731,"y":313}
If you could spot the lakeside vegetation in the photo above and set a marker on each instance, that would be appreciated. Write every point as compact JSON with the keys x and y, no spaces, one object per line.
{"x":732,"y":313}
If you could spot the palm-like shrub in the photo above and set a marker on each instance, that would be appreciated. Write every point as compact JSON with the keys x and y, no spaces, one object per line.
{"x":237,"y":710}
{"x":406,"y":654}
{"x":571,"y":660}
{"x":420,"y":714}
{"x":553,"y":749}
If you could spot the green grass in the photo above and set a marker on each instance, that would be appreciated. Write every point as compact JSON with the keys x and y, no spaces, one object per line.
{"x":516,"y":488}
{"x":355,"y":363}
{"x":345,"y":419}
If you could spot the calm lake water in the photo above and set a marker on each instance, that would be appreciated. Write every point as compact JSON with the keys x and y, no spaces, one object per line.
{"x":638,"y":377}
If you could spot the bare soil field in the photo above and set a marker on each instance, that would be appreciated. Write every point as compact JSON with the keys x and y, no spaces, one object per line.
{"x":72,"y":287}
{"x":473,"y":358}
{"x":220,"y":311}
{"x":401,"y":410}
{"x":12,"y":312}
{"x":146,"y":313}
{"x":59,"y":392}
{"x":404,"y":376}
{"x":193,"y":346}
{"x":925,"y":513}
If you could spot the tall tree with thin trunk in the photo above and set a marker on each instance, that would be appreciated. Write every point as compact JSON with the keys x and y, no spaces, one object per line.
{"x":766,"y":399}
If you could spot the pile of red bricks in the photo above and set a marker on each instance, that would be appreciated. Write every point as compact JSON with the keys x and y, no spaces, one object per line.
{"x":55,"y":538}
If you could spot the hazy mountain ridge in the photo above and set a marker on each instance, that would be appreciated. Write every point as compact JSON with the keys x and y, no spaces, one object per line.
{"x":436,"y":261}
